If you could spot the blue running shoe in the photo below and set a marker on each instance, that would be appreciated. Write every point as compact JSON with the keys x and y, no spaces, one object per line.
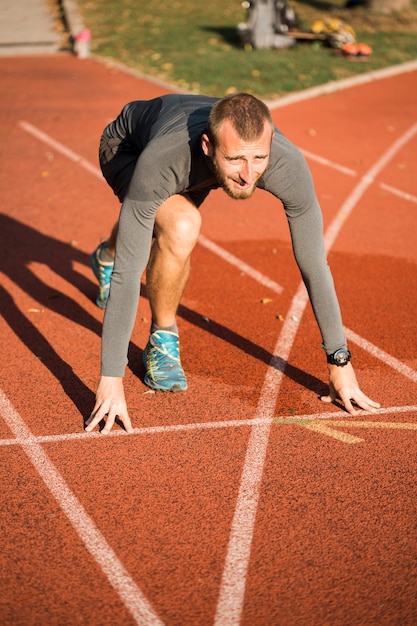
{"x":102,"y":271}
{"x":162,"y":361}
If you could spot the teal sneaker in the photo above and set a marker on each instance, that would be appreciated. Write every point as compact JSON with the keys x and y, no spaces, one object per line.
{"x":161,"y":358}
{"x":102,"y":271}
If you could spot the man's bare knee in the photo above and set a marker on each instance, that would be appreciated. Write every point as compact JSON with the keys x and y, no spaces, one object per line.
{"x":177,"y":226}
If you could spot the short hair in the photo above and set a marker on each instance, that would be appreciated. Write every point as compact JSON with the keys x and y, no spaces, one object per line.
{"x":246,"y":113}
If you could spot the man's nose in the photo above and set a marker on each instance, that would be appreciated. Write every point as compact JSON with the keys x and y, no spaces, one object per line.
{"x":247,"y":172}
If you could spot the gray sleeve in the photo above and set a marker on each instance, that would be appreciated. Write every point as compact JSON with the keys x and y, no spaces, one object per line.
{"x":290,"y":181}
{"x":132,"y":253}
{"x":149,"y":188}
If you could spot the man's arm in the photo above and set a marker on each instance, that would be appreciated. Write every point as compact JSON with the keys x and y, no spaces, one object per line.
{"x":290,"y":181}
{"x":149,"y":187}
{"x":132,"y":253}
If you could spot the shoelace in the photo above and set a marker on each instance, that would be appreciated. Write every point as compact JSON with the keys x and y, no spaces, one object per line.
{"x":162,"y":350}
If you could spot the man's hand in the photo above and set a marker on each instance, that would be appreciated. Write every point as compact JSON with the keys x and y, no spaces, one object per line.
{"x":110,"y":401}
{"x":344,"y":386}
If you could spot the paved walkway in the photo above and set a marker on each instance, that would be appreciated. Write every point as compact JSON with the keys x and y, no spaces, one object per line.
{"x":28,"y":27}
{"x":33,"y":27}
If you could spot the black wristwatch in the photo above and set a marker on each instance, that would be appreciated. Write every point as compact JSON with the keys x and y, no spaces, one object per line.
{"x":340,"y":357}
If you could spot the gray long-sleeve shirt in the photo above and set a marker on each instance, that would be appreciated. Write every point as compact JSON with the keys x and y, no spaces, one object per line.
{"x":153,"y":151}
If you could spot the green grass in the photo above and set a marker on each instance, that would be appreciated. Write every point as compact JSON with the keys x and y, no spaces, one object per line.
{"x":193,"y":44}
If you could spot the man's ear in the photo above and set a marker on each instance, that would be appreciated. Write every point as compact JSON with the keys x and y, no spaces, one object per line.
{"x":206,"y":145}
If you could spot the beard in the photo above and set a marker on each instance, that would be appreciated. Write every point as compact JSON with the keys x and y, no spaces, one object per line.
{"x":225,"y":184}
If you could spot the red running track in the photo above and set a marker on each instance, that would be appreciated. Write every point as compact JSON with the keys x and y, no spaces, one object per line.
{"x":245,"y":500}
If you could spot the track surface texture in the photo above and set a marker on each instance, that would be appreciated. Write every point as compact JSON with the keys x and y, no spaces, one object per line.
{"x":245,"y":500}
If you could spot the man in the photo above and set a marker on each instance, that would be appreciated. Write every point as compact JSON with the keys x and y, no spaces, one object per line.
{"x":162,"y":158}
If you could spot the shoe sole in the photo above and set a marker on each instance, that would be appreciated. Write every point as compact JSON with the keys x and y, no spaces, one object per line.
{"x":176,"y":388}
{"x":101,"y":305}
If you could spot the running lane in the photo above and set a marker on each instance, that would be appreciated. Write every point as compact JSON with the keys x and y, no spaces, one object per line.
{"x":245,"y":500}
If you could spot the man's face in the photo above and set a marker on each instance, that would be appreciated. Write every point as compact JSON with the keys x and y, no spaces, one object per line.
{"x":238,"y":164}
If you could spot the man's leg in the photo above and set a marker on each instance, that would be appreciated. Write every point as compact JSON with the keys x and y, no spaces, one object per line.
{"x":176,"y":230}
{"x":177,"y":226}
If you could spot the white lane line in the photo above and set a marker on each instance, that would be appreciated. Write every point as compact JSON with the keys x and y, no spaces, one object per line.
{"x":381,"y":355}
{"x":233,"y":584}
{"x":328,"y":163}
{"x":358,"y":191}
{"x":84,"y":526}
{"x":241,"y":265}
{"x":59,"y":147}
{"x":152,"y":430}
{"x":399,"y":193}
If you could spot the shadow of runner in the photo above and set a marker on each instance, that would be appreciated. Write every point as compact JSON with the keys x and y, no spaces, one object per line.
{"x":21,"y":246}
{"x":24,"y":245}
{"x":299,"y":376}
{"x":80,"y":394}
{"x":314,"y":384}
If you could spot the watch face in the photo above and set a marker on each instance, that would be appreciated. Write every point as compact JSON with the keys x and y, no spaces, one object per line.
{"x":341,"y":357}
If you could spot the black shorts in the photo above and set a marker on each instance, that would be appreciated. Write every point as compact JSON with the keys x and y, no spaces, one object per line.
{"x":117,"y":163}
